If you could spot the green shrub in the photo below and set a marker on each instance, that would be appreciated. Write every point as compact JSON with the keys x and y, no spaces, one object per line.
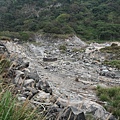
{"x":111,"y":49}
{"x":104,"y":97}
{"x":113,"y":63}
{"x":112,"y":97}
{"x":114,"y":52}
{"x":63,"y":17}
{"x":78,"y":50}
{"x":24,"y":36}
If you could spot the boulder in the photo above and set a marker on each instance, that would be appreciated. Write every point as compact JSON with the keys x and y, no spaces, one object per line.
{"x":88,"y":107}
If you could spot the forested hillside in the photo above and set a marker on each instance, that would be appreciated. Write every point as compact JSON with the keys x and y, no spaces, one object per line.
{"x":90,"y":19}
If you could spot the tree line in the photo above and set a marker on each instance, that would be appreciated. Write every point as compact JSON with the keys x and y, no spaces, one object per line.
{"x":90,"y":19}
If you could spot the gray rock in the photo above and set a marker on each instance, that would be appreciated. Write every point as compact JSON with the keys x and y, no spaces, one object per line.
{"x":21,"y":98}
{"x":28,"y":82}
{"x":42,"y":97}
{"x":43,"y":85}
{"x":107,"y":74}
{"x":30,"y":92}
{"x":19,"y":73}
{"x":31,"y":75}
{"x":52,"y":113}
{"x":33,"y":90}
{"x":49,"y":59}
{"x":24,"y":65}
{"x":18,"y":78}
{"x":87,"y":107}
{"x":71,"y":113}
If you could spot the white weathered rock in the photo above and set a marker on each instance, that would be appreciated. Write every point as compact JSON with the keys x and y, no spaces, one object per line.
{"x":43,"y":95}
{"x":21,"y":98}
{"x":28,"y":81}
{"x":87,"y":106}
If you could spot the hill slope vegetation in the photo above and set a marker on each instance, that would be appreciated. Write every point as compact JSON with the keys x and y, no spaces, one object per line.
{"x":90,"y":19}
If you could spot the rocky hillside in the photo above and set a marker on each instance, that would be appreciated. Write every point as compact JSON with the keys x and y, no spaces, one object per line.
{"x":62,"y":76}
{"x":98,"y":20}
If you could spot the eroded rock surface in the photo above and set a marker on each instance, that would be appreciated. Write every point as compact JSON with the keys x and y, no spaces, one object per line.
{"x":68,"y":81}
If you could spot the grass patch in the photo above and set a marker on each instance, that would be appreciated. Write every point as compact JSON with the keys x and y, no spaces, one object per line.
{"x":10,"y":109}
{"x":113,"y":63}
{"x":114,"y":50}
{"x":78,"y":50}
{"x":112,"y":97}
{"x":23,"y":36}
{"x":111,"y":49}
{"x":114,"y":55}
{"x":63,"y":48}
{"x":61,"y":36}
{"x":9,"y":35}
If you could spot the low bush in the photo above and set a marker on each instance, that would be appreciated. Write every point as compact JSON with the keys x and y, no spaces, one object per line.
{"x":114,"y":55}
{"x":112,"y":97}
{"x":114,"y":49}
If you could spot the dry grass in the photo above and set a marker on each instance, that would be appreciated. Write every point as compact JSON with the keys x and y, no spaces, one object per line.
{"x":10,"y":107}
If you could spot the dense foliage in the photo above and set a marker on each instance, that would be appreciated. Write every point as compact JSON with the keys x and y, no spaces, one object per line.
{"x":90,"y":19}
